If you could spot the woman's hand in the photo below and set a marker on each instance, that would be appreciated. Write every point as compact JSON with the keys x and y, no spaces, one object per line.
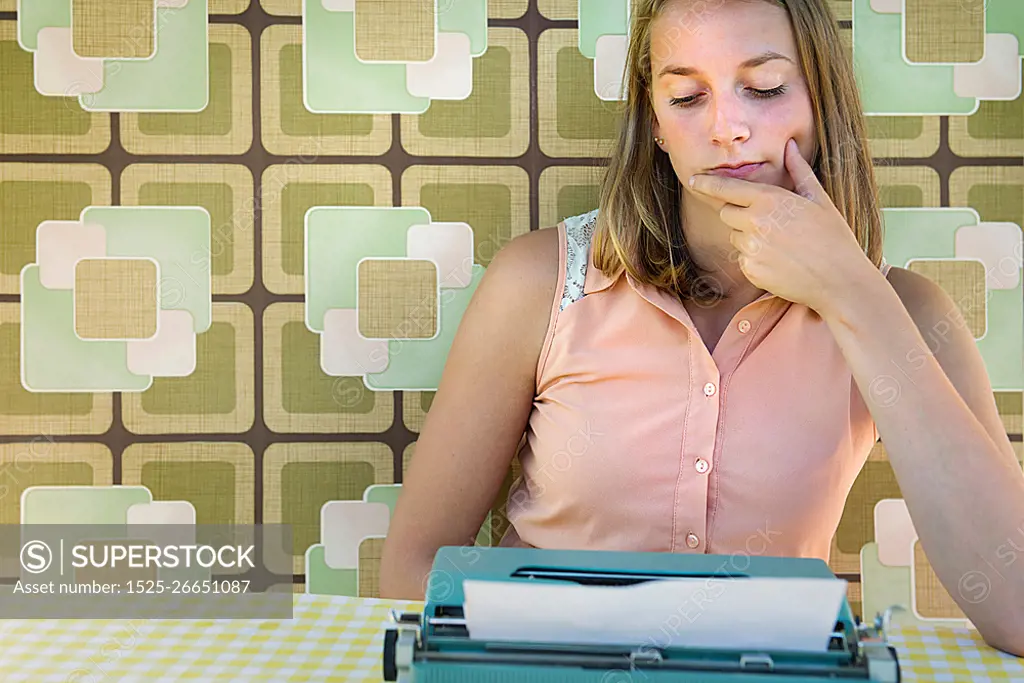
{"x":795,"y":245}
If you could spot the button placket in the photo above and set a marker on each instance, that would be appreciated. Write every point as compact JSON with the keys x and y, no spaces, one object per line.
{"x":724,"y":359}
{"x":692,"y":514}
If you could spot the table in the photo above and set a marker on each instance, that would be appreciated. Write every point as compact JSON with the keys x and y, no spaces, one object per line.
{"x":335,"y":638}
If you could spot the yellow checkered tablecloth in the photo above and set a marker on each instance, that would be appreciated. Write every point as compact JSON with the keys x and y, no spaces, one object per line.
{"x":333,"y":639}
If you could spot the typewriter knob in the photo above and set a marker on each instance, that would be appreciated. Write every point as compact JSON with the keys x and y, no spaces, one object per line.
{"x":390,"y":645}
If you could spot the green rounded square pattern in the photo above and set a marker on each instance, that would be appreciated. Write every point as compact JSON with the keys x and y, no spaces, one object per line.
{"x":24,"y":205}
{"x":209,"y":486}
{"x":176,"y":78}
{"x":306,"y":388}
{"x":306,"y":486}
{"x":26,"y":112}
{"x":337,"y":238}
{"x":22,"y":477}
{"x":297,"y":198}
{"x":576,"y":199}
{"x":581,"y":115}
{"x":486,"y":113}
{"x":54,"y":358}
{"x":324,"y":580}
{"x":336,"y":81}
{"x":15,"y":400}
{"x":215,"y":118}
{"x":296,"y":119}
{"x":216,"y":198}
{"x":208,"y":390}
{"x":487,"y":207}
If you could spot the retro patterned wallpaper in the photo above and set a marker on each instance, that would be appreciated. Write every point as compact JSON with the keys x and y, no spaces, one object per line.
{"x":236,"y":239}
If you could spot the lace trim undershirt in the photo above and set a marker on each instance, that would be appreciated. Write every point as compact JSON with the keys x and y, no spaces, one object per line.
{"x":578,"y":231}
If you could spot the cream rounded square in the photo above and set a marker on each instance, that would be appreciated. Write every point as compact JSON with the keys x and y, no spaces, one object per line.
{"x":58,"y":71}
{"x":449,"y":245}
{"x":997,"y":75}
{"x":448,"y":75}
{"x":171,"y":352}
{"x":238,"y":369}
{"x":1000,"y":246}
{"x":179,"y":516}
{"x":894,"y":533}
{"x":339,"y":5}
{"x":510,"y":141}
{"x":346,"y":353}
{"x":61,"y":244}
{"x":609,"y":65}
{"x":343,"y":526}
{"x":162,"y":512}
{"x":887,"y":6}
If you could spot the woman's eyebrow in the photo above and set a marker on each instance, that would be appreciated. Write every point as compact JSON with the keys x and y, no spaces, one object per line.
{"x":748,"y":64}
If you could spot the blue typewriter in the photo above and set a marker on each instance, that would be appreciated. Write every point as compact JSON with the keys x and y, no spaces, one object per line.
{"x":514,"y":615}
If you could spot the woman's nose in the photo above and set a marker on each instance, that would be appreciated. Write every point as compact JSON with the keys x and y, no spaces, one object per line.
{"x":729,"y":119}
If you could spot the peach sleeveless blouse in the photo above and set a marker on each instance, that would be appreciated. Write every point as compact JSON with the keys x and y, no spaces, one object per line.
{"x":641,"y":440}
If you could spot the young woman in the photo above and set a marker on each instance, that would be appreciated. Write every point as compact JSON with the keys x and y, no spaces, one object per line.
{"x":703,"y":363}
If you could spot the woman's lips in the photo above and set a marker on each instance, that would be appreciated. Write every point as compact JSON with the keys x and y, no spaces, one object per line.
{"x":740,"y":172}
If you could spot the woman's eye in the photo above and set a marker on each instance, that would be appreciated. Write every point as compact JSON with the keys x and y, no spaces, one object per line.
{"x":759,"y":94}
{"x":682,"y":101}
{"x":768,"y":94}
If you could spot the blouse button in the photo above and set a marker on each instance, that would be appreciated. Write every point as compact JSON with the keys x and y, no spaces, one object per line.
{"x":744,"y":326}
{"x":709,"y":389}
{"x":692,"y":540}
{"x":702,"y":465}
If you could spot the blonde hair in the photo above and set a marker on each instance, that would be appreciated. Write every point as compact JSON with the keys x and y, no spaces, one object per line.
{"x":639,"y":225}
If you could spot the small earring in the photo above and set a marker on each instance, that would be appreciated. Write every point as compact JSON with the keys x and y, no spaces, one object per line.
{"x":660,"y":141}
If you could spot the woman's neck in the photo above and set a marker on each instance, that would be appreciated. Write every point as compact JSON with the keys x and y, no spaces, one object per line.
{"x":707,"y":238}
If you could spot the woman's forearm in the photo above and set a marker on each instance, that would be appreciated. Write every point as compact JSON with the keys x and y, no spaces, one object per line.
{"x":963,"y":489}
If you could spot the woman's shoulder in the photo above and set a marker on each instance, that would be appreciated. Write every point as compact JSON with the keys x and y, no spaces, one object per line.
{"x":525,"y":271}
{"x":532,"y":255}
{"x":548,"y":265}
{"x":926,"y":301}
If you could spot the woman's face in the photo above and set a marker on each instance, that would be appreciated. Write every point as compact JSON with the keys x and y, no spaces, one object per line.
{"x":708,"y":60}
